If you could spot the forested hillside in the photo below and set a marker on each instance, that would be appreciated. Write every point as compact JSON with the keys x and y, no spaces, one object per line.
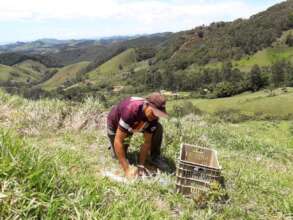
{"x":222,"y":41}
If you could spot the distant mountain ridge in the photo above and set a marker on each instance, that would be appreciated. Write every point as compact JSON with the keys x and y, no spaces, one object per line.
{"x":48,"y":45}
{"x":62,"y":53}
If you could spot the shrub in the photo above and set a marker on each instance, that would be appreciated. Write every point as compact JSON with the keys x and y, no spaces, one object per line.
{"x":184,"y":108}
{"x":224,"y":89}
{"x":231,"y":115}
{"x":289,"y":40}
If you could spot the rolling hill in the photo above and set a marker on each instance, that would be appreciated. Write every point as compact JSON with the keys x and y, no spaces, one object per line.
{"x":25,"y":72}
{"x":115,"y":65}
{"x":33,"y":68}
{"x":67,"y":73}
{"x":7,"y":72}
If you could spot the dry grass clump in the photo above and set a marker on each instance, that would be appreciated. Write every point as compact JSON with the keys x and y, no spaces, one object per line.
{"x":35,"y":117}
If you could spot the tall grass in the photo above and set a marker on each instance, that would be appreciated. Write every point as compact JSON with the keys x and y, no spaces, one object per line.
{"x":54,"y":171}
{"x":32,"y":186}
{"x":43,"y":116}
{"x":38,"y":186}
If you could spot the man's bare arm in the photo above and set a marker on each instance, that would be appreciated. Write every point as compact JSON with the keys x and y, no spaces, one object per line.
{"x":145,"y":149}
{"x":119,"y":149}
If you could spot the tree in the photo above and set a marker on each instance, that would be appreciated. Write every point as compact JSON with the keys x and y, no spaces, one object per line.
{"x":216,"y":76}
{"x":290,"y":20}
{"x":206,"y":77}
{"x":278,"y":73}
{"x":200,"y":34}
{"x":224,"y":89}
{"x":255,"y":79}
{"x":289,"y":40}
{"x":236,"y":76}
{"x":227,"y":71}
{"x":289,"y":75}
{"x":290,"y":78}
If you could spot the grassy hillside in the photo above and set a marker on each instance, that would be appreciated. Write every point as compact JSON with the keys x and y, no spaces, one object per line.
{"x":26,"y":72}
{"x":32,"y":68}
{"x":64,"y":74}
{"x":263,"y":58}
{"x":266,"y":57}
{"x":54,"y":155}
{"x":276,"y":103}
{"x":115,"y":65}
{"x":4,"y":72}
{"x":110,"y":73}
{"x":12,"y":74}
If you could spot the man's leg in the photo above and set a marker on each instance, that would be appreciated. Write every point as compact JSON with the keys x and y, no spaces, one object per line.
{"x":157,"y":141}
{"x":111,"y":147}
{"x":156,"y":158}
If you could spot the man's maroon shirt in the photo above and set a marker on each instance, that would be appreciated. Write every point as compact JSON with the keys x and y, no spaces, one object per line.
{"x":129,"y":116}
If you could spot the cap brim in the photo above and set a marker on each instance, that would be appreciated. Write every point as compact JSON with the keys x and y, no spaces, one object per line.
{"x":158,"y":112}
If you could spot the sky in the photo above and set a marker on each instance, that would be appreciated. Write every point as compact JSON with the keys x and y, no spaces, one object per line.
{"x":27,"y":20}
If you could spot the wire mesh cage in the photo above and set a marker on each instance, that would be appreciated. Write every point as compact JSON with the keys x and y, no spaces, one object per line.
{"x":197,"y":168}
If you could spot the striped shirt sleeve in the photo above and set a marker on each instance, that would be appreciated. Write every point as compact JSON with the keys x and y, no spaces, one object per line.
{"x":125,"y":126}
{"x":127,"y":120}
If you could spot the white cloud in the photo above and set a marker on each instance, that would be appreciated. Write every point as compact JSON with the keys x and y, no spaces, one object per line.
{"x":125,"y":16}
{"x":146,"y":11}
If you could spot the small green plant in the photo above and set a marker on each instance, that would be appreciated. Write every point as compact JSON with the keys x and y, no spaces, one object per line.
{"x":216,"y":194}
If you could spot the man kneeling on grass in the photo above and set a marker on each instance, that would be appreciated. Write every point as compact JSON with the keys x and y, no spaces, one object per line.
{"x":137,"y":115}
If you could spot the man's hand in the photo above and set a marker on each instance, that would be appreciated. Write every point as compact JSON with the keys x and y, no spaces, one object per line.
{"x":142,"y":171}
{"x":131,"y":172}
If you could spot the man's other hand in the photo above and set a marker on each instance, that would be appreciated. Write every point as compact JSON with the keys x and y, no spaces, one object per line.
{"x":142,"y":171}
{"x":131,"y":172}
